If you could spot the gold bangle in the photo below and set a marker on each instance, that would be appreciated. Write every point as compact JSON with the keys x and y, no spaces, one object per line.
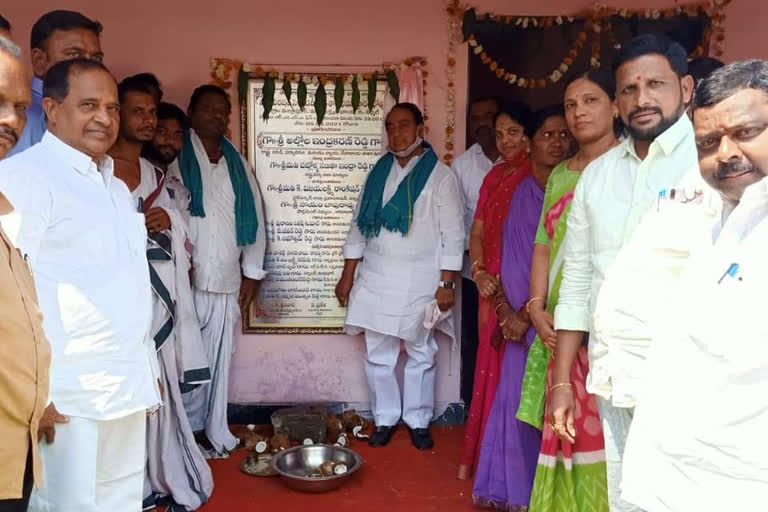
{"x":561,"y":385}
{"x":476,"y":264}
{"x":496,"y":309}
{"x":531,"y":301}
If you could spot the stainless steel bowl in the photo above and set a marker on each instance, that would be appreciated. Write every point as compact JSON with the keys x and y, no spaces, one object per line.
{"x":295,"y":466}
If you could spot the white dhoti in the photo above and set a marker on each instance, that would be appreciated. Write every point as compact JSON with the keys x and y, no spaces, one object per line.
{"x":418,"y":402}
{"x":93,"y":466}
{"x":176,"y":469}
{"x":206,"y":405}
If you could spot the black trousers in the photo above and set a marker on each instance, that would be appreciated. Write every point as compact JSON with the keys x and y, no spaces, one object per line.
{"x":469,"y":338}
{"x":21,"y":504}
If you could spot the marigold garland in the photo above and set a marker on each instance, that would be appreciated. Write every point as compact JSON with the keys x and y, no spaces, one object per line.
{"x":597,"y":23}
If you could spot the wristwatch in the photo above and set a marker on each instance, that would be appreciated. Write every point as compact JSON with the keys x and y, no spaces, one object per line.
{"x":448,"y":285}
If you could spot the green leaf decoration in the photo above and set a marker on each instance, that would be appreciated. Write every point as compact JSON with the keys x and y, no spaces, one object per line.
{"x":287,"y":89}
{"x":301,"y":94}
{"x":242,"y":84}
{"x":394,"y":84}
{"x":268,"y":98}
{"x":355,"y":95}
{"x":468,"y":24}
{"x":372,"y":91}
{"x":338,"y":93}
{"x":321,"y":102}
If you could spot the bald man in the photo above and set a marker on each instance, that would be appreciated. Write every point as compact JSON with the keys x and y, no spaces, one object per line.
{"x":15,"y":96}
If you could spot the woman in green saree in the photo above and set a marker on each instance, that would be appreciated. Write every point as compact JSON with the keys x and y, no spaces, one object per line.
{"x":570,"y":477}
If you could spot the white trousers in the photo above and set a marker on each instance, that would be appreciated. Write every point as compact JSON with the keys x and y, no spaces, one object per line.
{"x":616,"y":422}
{"x":418,"y":402}
{"x":93,"y":466}
{"x":206,"y":405}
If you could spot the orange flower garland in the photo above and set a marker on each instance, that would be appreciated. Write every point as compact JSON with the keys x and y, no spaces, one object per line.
{"x":597,"y":23}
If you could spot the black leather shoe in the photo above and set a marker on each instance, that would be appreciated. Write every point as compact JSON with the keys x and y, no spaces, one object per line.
{"x":381,"y":436}
{"x":422,"y":439}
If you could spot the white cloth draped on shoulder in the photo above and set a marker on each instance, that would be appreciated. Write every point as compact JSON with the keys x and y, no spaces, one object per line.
{"x":176,"y":468}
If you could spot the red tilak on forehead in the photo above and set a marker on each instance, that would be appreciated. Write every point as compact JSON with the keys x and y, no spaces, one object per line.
{"x":637,"y":78}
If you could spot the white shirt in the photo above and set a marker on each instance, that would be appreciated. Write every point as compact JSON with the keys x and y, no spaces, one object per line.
{"x":398,"y":275}
{"x":471,"y":168}
{"x":613,"y":194}
{"x":86,"y":244}
{"x":698,"y":436}
{"x":216,"y":256}
{"x":646,"y":267}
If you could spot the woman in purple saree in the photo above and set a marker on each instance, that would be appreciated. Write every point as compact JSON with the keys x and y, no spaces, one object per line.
{"x":510,"y":448}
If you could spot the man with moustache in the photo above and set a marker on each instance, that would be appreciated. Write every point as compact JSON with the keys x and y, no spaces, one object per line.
{"x":402,"y":257}
{"x":471,"y":167}
{"x":14,"y":96}
{"x":165,"y":146}
{"x":24,"y":352}
{"x":85,"y":243}
{"x":56,"y":36}
{"x":612,"y":196}
{"x":166,"y":143}
{"x":696,"y":439}
{"x":176,"y":470}
{"x":227,"y":230}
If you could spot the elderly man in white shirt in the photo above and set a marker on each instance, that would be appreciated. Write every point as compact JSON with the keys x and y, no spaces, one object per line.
{"x":615,"y":191}
{"x":406,"y":243}
{"x":471,"y":167}
{"x":227,"y":230}
{"x":85,"y":243}
{"x":696,"y":439}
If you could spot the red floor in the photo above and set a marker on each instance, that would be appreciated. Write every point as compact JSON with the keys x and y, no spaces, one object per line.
{"x":394,"y":478}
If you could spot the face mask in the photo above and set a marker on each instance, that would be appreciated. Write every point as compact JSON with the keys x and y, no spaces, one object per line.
{"x":410,"y":149}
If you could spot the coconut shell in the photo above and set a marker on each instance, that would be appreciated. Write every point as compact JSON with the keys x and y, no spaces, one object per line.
{"x":326,"y":468}
{"x":333,"y":428}
{"x":279,"y":442}
{"x":248,"y":436}
{"x":351,"y":420}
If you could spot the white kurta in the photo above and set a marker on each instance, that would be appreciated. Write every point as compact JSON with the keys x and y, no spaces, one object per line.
{"x":218,"y":262}
{"x":398,"y":275}
{"x":697,"y":440}
{"x":217,"y":258}
{"x":471,"y":168}
{"x":396,"y":279}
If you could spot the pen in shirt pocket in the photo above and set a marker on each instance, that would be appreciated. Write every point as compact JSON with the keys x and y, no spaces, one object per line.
{"x":731,"y":272}
{"x":29,"y":265}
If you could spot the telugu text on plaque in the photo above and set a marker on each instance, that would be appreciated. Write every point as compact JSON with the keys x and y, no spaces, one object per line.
{"x":310,"y":177}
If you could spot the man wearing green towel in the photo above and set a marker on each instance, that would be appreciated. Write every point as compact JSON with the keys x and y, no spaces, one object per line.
{"x":226,"y":223}
{"x":406,"y":243}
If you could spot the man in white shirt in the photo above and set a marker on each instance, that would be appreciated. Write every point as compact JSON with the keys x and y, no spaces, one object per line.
{"x":471,"y":167}
{"x":227,"y":230}
{"x":696,"y":438}
{"x":56,"y":36}
{"x":405,"y":243}
{"x":615,"y":191}
{"x":176,"y":469}
{"x":85,"y":243}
